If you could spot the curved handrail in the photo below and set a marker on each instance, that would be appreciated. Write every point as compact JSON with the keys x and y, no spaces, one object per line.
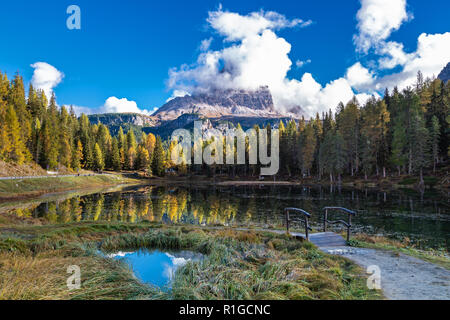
{"x":348,"y":223}
{"x":298,"y":211}
{"x":306,"y":216}
{"x":353,"y":213}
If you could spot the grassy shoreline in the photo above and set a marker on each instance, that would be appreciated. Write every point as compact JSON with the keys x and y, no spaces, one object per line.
{"x":437,"y":257}
{"x":239,"y":265}
{"x":32,"y":188}
{"x":386,"y":184}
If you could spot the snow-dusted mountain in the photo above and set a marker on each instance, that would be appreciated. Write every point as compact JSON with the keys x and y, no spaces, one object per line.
{"x":217,"y":108}
{"x":222,"y":103}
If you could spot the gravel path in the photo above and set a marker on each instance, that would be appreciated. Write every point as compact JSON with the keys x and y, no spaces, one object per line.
{"x":402,"y":277}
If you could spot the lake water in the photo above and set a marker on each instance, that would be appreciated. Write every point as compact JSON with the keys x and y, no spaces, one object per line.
{"x":155,"y":267}
{"x":424,"y":218}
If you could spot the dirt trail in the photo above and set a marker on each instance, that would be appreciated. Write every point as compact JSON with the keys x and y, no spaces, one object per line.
{"x":402,"y":277}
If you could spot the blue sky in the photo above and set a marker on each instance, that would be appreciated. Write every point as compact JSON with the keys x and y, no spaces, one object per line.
{"x":126,"y":48}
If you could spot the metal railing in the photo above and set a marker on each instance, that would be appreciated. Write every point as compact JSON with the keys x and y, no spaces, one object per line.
{"x":305,"y":220}
{"x":348,"y":223}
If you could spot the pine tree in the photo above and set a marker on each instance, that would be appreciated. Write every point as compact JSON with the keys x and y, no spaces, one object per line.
{"x":131,"y":157}
{"x":128,"y":148}
{"x":115,"y":154}
{"x":435,"y":133}
{"x":398,"y":156}
{"x":86,"y":141}
{"x":17,"y":151}
{"x":104,"y":140}
{"x":77,"y":157}
{"x":5,"y":143}
{"x":157,"y":165}
{"x":16,"y":98}
{"x":448,"y":123}
{"x":99,"y":164}
{"x":283,"y":147}
{"x":122,"y":147}
{"x":332,"y":155}
{"x":420,"y":148}
{"x":142,"y":158}
{"x":150,"y":143}
{"x":308,"y":148}
{"x":34,"y":105}
{"x":65,"y":138}
{"x":318,"y":133}
{"x":375,"y":118}
{"x":348,"y":125}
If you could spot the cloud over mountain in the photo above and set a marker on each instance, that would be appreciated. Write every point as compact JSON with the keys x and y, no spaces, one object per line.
{"x":254,"y":55}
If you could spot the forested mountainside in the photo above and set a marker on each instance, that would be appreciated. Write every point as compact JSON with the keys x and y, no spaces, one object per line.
{"x":406,"y":131}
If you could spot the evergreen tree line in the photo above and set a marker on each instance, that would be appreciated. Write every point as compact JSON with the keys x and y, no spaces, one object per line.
{"x":402,"y":133}
{"x":35,"y":129}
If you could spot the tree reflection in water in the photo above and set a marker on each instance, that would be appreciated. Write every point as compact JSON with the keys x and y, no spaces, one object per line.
{"x":425,"y":217}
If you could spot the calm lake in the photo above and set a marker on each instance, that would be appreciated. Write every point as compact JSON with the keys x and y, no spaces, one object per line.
{"x":424,"y":218}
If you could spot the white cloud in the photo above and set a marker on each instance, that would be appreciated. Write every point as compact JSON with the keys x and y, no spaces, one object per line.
{"x":393,"y":55}
{"x":46,"y":77}
{"x":432,"y":54}
{"x":377,"y":19}
{"x":178,"y":94}
{"x":257,"y":57}
{"x":300,"y":63}
{"x":82,"y":109}
{"x":116,"y":105}
{"x":113,"y":105}
{"x":237,"y":27}
{"x":205,"y":44}
{"x":359,"y":77}
{"x":254,"y":55}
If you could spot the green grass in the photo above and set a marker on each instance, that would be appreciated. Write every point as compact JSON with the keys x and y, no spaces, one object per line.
{"x":428,"y":180}
{"x":439,"y":257}
{"x":238,"y":265}
{"x":10,"y":189}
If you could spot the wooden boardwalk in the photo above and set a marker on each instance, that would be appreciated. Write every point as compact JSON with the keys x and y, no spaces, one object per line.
{"x":327,"y":239}
{"x":322,"y":239}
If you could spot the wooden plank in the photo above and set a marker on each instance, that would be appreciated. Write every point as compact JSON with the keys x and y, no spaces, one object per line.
{"x":327,"y":239}
{"x":322,"y":239}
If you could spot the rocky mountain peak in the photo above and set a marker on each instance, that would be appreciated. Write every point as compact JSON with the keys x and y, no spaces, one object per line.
{"x":218,"y":103}
{"x":445,"y":73}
